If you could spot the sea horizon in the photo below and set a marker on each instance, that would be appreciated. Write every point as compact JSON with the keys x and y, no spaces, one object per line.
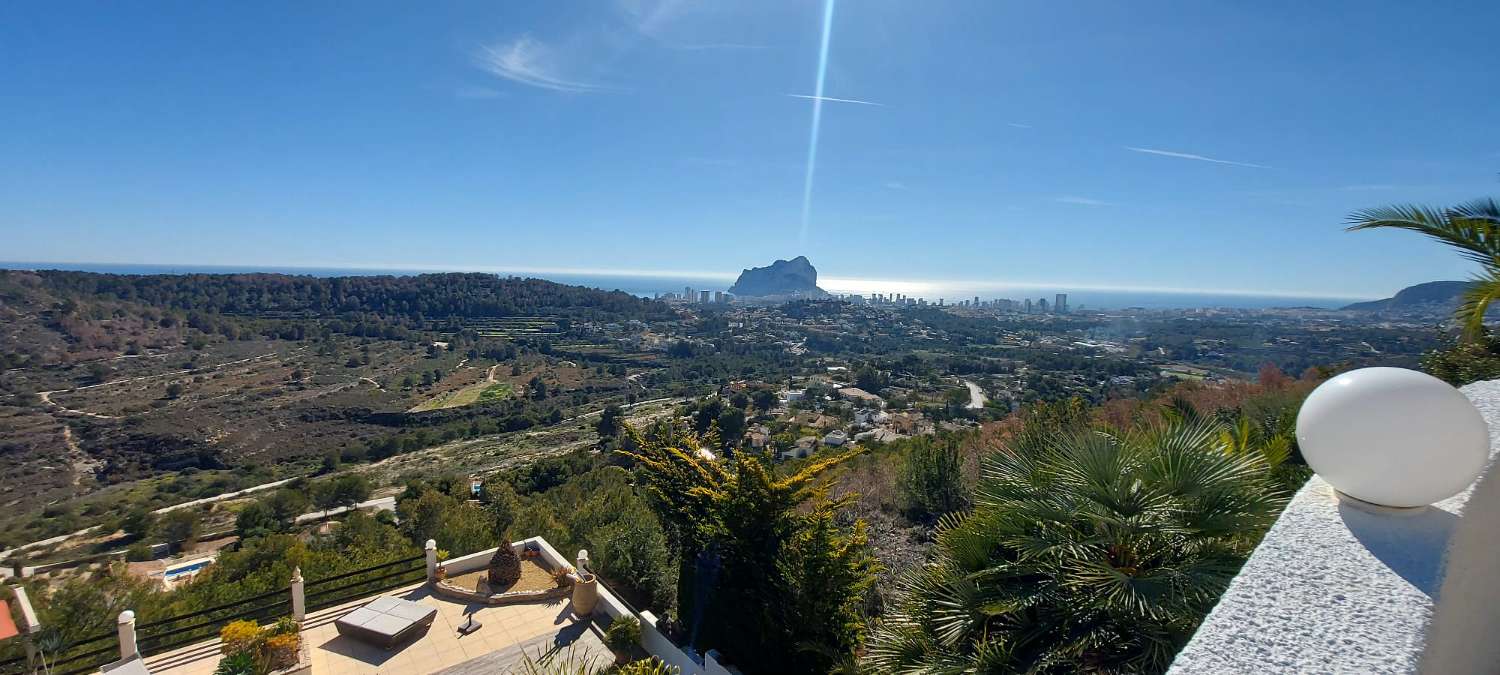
{"x":646,"y":284}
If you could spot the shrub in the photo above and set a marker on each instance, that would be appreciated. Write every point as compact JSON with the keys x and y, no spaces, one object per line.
{"x":651,"y":666}
{"x":250,"y":649}
{"x":623,"y":634}
{"x":1463,"y":362}
{"x":280,"y":651}
{"x":236,"y":664}
{"x":1091,"y":551}
{"x":240,"y":637}
{"x":932,"y":479}
{"x":632,"y":551}
{"x":284,"y":626}
{"x":138,"y":552}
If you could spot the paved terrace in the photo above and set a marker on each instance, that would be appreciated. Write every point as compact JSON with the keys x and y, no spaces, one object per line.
{"x":510,"y":633}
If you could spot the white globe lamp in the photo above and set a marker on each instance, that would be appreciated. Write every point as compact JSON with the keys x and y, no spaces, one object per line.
{"x":1393,"y":437}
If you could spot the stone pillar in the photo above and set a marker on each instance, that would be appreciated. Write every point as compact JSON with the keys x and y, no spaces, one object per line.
{"x":299,"y":596}
{"x":127,"y":634}
{"x":431,"y":560}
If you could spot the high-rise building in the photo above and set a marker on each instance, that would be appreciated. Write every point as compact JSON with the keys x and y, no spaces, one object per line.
{"x":976,"y":301}
{"x":687,"y":293}
{"x":703,"y":297}
{"x":718,"y":297}
{"x":1060,"y":303}
{"x":1041,"y":306}
{"x":1028,"y":305}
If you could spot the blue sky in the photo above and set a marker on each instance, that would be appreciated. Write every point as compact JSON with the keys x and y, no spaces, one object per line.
{"x":1195,"y":145}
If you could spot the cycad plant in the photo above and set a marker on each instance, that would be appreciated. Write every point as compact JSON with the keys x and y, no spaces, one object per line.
{"x":1472,"y":228}
{"x":1088,"y":551}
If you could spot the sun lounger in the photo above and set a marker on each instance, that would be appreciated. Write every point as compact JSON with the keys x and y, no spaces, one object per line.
{"x":386,"y":621}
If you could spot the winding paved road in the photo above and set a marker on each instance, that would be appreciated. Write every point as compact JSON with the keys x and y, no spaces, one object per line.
{"x":977,"y":398}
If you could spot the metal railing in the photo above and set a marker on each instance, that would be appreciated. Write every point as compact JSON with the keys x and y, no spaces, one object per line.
{"x":166,"y":634}
{"x":404,"y":573}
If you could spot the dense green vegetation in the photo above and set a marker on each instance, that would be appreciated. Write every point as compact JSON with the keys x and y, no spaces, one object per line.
{"x":1093,"y":547}
{"x":740,"y":536}
{"x":418,"y":297}
{"x":1465,"y":361}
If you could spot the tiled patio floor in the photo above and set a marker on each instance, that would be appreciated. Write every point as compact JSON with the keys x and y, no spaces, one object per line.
{"x":535,"y":628}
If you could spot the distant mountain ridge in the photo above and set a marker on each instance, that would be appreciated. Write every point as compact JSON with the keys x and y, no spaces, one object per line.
{"x":783,"y":277}
{"x":1442,"y":295}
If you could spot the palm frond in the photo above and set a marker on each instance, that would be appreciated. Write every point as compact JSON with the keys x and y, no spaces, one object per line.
{"x":1468,"y":228}
{"x":1089,"y":549}
{"x":1476,"y":302}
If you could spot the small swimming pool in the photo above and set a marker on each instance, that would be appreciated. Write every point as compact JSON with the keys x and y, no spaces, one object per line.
{"x":186,"y":568}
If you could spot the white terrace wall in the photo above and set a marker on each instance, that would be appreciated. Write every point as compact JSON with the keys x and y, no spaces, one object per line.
{"x":652,"y":639}
{"x":1340,"y":586}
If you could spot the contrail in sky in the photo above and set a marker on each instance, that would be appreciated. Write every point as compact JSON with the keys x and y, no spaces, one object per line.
{"x":835,"y":100}
{"x":817,"y":118}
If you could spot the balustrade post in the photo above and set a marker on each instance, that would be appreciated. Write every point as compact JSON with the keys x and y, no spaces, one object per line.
{"x":431,"y":560}
{"x":126,"y":628}
{"x":299,"y":596}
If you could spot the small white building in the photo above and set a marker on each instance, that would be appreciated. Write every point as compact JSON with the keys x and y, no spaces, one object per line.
{"x":870,"y":416}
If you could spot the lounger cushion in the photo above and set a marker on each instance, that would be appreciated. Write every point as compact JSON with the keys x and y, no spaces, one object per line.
{"x":385,"y":621}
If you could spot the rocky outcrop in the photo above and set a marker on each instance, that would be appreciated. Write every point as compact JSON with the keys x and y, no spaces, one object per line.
{"x":783,"y":277}
{"x":1435,"y":296}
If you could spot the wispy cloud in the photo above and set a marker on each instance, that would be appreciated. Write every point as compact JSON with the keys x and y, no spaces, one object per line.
{"x":830,"y":99}
{"x":1084,"y":201}
{"x":895,"y":185}
{"x":1189,"y":155}
{"x":664,"y":20}
{"x":1018,"y":125}
{"x":528,"y":61}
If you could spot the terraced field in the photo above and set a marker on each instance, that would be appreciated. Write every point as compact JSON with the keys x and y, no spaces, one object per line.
{"x":510,"y":327}
{"x":483,"y":392}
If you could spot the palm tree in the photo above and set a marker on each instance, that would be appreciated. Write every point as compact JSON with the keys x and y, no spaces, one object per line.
{"x":1472,"y":228}
{"x":1086,"y":551}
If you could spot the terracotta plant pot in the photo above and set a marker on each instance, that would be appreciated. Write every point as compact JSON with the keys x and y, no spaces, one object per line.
{"x":585,"y":595}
